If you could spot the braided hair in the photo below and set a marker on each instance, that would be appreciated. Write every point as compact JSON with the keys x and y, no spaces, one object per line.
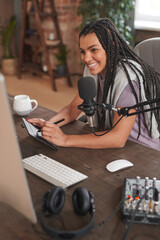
{"x":118,"y":51}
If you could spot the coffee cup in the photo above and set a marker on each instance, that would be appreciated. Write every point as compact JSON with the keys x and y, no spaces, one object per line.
{"x":22,"y":105}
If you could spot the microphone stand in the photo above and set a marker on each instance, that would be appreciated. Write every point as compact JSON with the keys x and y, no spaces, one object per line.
{"x":89,"y":107}
{"x":125,"y":111}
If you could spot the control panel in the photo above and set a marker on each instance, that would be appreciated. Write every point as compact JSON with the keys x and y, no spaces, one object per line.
{"x":141,"y":200}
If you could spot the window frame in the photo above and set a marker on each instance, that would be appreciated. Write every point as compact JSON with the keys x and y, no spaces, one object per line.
{"x":148,"y":19}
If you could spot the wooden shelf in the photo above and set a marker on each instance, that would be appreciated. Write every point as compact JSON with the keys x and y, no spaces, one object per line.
{"x":37,"y":69}
{"x":36,"y":41}
{"x":54,"y":43}
{"x":42,"y":14}
{"x":32,"y":42}
{"x":32,"y":67}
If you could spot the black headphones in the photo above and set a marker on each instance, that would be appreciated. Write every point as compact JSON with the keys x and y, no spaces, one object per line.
{"x":53,"y":202}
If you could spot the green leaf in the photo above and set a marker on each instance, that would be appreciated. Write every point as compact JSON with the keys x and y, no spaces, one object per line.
{"x":6,"y":35}
{"x":117,"y":11}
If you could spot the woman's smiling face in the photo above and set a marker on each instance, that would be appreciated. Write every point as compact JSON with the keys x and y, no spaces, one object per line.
{"x":92,"y":54}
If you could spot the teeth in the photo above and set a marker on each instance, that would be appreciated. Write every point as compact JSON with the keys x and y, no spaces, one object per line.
{"x":93,"y":64}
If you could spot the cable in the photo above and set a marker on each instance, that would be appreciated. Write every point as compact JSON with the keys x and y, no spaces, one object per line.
{"x":92,"y":128}
{"x":109,"y":218}
{"x":43,"y":235}
{"x":129,"y":224}
{"x":115,"y":229}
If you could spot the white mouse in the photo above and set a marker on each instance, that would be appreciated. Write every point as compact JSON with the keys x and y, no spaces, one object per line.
{"x":118,"y":165}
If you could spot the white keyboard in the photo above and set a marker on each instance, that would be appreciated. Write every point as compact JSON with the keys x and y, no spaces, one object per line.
{"x":52,"y":171}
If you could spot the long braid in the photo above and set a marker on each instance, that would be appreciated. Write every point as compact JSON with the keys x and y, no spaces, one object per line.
{"x":112,"y":61}
{"x":118,"y":51}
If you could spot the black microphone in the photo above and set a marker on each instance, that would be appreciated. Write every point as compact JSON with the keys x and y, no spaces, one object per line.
{"x":87,"y":91}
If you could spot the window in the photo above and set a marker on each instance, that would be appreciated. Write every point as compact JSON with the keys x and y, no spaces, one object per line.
{"x":147,"y":15}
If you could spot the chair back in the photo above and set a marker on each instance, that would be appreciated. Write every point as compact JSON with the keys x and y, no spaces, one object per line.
{"x":149,"y":51}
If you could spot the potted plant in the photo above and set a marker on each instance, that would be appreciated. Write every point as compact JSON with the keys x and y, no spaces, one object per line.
{"x":9,"y":63}
{"x":120,"y":12}
{"x":62,"y":59}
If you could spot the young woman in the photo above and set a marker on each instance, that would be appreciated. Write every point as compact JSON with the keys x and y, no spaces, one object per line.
{"x":122,"y":79}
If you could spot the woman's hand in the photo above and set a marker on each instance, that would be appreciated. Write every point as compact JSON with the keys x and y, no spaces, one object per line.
{"x":39,"y":122}
{"x":54,"y":134}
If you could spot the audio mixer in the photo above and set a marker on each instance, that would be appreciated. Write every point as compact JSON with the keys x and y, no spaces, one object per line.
{"x":141,"y":200}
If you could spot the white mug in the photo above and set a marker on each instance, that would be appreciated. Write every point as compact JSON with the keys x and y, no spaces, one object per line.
{"x":22,"y":105}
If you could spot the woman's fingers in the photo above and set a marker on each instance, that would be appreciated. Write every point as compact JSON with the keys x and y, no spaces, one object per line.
{"x":37,"y":122}
{"x":53,"y":133}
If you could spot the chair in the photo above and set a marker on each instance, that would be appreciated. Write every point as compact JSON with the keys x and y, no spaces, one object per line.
{"x":149,"y":51}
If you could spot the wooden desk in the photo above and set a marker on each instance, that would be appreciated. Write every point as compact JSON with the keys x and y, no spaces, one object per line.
{"x":106,"y":186}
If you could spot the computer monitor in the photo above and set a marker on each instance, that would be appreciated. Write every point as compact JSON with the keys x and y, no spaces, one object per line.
{"x":14,"y":188}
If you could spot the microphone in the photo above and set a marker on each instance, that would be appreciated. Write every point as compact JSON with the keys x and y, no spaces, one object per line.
{"x":87,"y":92}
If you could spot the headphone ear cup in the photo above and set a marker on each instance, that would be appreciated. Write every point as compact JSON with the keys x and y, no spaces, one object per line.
{"x":81,"y":201}
{"x":55,"y":200}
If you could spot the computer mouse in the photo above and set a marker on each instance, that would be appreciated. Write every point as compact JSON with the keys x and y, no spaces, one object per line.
{"x":118,"y":165}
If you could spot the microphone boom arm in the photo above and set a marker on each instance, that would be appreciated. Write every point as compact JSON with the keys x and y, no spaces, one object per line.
{"x":125,"y":110}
